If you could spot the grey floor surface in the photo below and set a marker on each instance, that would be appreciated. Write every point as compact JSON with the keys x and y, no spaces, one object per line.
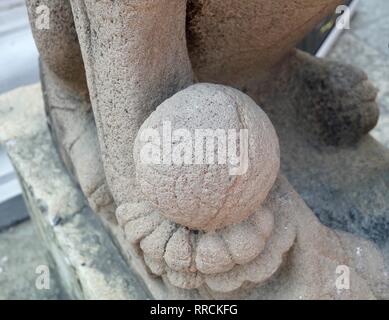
{"x":23,"y":262}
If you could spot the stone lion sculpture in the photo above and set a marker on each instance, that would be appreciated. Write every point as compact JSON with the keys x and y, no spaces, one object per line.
{"x":111,"y":70}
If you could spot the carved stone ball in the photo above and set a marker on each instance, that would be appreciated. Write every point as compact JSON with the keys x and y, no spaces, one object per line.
{"x":207,"y":157}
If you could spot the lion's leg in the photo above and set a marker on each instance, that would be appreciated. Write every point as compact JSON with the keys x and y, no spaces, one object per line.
{"x":67,"y":98}
{"x":135,"y":57}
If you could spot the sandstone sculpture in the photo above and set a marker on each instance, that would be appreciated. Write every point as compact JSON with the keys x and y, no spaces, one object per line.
{"x":113,"y":69}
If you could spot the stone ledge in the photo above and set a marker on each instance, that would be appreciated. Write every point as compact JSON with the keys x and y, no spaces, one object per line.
{"x":88,"y":262}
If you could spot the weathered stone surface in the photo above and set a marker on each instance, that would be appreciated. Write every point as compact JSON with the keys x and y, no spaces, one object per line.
{"x":58,"y":45}
{"x":92,"y":267}
{"x":73,"y":128}
{"x":142,"y":77}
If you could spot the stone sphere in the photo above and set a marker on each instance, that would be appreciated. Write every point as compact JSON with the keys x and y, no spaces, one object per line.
{"x":207,"y":157}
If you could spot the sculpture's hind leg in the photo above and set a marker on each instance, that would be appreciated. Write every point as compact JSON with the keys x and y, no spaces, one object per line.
{"x":322,"y":111}
{"x":67,"y":98}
